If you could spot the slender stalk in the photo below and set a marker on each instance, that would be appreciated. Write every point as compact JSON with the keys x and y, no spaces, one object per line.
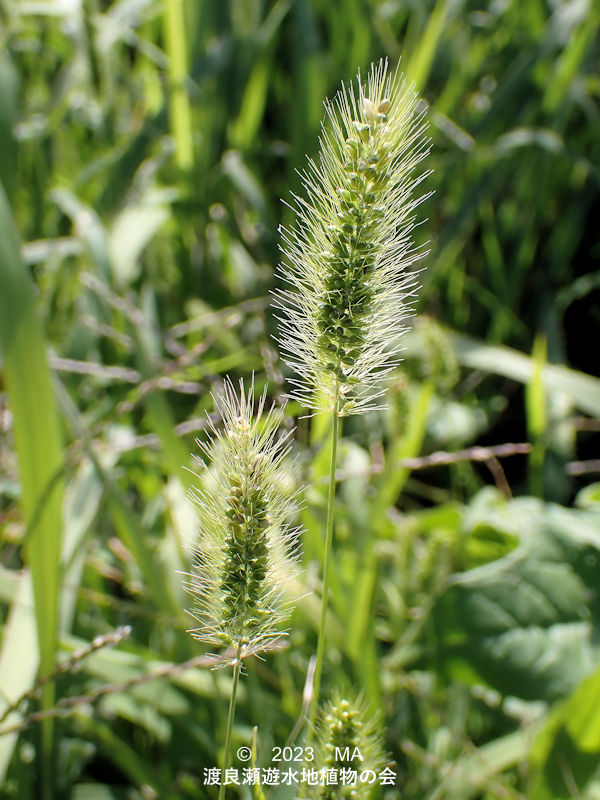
{"x":179,"y":104}
{"x":326,"y":568}
{"x":227,"y":754}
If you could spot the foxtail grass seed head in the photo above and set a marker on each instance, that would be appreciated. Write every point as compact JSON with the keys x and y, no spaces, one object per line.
{"x":348,"y":263}
{"x":347,"y":739}
{"x":246,"y":554}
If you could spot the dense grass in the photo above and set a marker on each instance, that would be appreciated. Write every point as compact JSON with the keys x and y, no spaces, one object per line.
{"x":145,"y":148}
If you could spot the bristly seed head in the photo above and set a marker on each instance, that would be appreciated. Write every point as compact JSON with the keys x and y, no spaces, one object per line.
{"x":347,"y":739}
{"x":246,"y":552}
{"x":348,"y":260}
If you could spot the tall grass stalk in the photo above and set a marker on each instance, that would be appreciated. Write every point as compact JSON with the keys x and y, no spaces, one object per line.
{"x":335,"y":435}
{"x":348,"y":263}
{"x":230,"y":717}
{"x":179,"y":104}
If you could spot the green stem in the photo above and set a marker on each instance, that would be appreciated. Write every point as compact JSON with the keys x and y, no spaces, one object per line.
{"x":227,"y":754}
{"x":179,"y":104}
{"x":326,"y":570}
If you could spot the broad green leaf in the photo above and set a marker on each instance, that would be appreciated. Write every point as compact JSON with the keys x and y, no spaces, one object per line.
{"x":525,"y":623}
{"x":566,"y":753}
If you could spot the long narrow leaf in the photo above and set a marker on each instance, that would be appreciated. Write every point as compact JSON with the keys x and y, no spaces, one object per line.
{"x":37,"y":441}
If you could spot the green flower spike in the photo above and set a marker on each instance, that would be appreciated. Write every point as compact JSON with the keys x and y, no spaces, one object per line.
{"x":246,"y":553}
{"x":349,"y":259}
{"x":347,"y":740}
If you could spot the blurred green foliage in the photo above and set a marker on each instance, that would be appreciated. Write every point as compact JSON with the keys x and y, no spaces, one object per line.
{"x":145,"y":148}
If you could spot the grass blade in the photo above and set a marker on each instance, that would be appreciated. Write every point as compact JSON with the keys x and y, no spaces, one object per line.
{"x":18,"y":662}
{"x":583,"y":389}
{"x":179,"y":105}
{"x":38,"y":447}
{"x":535,"y":403}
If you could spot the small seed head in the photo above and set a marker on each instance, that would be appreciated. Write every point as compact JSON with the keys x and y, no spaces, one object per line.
{"x":347,"y":739}
{"x":246,"y":555}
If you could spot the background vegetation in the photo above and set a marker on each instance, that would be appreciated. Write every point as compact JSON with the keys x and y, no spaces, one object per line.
{"x":144,"y":149}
